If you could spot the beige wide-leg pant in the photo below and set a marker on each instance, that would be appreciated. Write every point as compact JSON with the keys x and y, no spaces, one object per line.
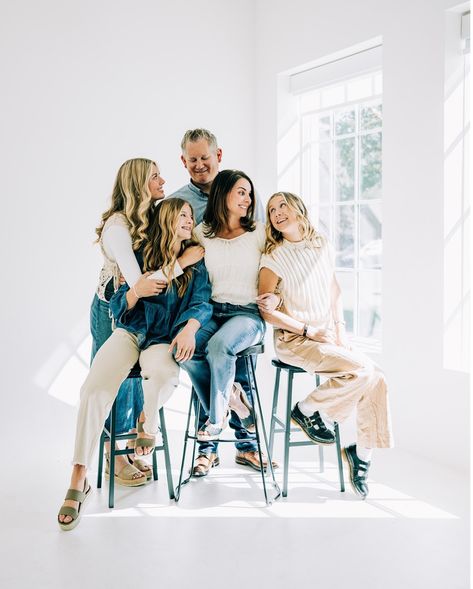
{"x":353,"y":382}
{"x":110,"y":367}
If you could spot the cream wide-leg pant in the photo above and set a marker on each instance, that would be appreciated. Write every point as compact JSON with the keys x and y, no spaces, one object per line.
{"x":353,"y":382}
{"x":110,"y":367}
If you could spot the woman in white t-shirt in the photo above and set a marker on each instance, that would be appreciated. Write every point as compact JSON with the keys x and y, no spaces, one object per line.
{"x":233,"y":244}
{"x":301,"y":298}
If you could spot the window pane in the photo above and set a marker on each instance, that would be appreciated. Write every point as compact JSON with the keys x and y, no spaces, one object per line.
{"x":359,"y":88}
{"x":370,"y":167}
{"x":345,"y":122}
{"x":324,"y":222}
{"x":344,"y":236}
{"x":316,"y":128}
{"x":317,"y":172}
{"x":370,"y":236}
{"x":324,"y":170}
{"x":333,"y":95}
{"x":346,"y":280}
{"x":371,"y":116}
{"x":378,"y":84}
{"x":345,"y":169}
{"x":310,"y":101}
{"x":370,"y":304}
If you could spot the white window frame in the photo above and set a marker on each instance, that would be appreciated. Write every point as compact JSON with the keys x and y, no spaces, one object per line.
{"x":339,"y":71}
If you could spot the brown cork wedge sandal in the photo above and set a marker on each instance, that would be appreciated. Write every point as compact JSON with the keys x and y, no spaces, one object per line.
{"x":126,"y":476}
{"x":138,"y":463}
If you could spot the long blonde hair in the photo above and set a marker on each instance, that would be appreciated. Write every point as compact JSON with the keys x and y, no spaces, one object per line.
{"x":159,"y":251}
{"x":131,"y":197}
{"x":296,"y":204}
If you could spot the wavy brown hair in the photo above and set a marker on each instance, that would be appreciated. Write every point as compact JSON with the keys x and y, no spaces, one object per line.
{"x":131,"y":197}
{"x":159,"y":251}
{"x":216,"y":213}
{"x":296,"y":204}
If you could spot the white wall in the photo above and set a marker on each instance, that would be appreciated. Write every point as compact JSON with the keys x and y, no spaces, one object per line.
{"x":86,"y":85}
{"x":430,"y":404}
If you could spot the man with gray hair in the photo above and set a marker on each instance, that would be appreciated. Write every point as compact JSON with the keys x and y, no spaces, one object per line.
{"x":201,"y":156}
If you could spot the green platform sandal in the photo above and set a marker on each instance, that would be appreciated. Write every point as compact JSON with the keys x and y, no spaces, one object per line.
{"x":143,"y":442}
{"x":74,"y":495}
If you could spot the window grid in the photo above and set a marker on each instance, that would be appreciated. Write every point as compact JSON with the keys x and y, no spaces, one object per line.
{"x":332,"y":207}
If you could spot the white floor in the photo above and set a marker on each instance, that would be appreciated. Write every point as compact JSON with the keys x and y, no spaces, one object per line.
{"x":412,"y":532}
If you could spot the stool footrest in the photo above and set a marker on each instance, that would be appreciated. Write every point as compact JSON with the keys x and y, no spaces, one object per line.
{"x":308,"y":443}
{"x":224,"y":440}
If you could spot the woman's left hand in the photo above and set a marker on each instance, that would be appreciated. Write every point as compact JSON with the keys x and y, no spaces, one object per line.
{"x":268,"y":302}
{"x":184,"y":342}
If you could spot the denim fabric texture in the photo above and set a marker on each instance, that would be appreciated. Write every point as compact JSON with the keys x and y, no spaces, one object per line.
{"x":158,"y":319}
{"x":130,"y":395}
{"x":214,"y":366}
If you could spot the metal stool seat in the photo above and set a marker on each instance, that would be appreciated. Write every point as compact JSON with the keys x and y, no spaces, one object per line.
{"x":249,"y":355}
{"x":285,"y":425}
{"x":111,"y":436}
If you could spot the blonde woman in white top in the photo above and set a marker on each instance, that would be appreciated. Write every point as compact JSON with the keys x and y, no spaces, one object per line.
{"x":297,"y":280}
{"x":123,"y":230}
{"x":233,"y":244}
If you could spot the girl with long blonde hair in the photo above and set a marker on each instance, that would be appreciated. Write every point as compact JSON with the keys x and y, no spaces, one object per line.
{"x":122,"y":232}
{"x":148,"y":329}
{"x":301,"y":298}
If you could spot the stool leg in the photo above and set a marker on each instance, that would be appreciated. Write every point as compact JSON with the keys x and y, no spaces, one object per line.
{"x":177,"y":493}
{"x":321,"y":458}
{"x":251,"y":373}
{"x":111,"y":482}
{"x":339,"y":457}
{"x":167,"y":459}
{"x":257,"y":421}
{"x":100,"y":466}
{"x":287,"y":432}
{"x":321,"y":448}
{"x":274,"y":409}
{"x":154,"y":460}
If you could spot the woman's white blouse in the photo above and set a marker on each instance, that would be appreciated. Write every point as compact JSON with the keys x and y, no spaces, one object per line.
{"x":233,"y":265}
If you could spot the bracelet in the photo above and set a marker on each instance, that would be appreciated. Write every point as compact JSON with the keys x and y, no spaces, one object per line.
{"x":134,"y":290}
{"x":304,"y":330}
{"x":340,"y":321}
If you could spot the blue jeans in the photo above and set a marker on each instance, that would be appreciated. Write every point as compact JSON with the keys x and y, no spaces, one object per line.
{"x":214,"y":367}
{"x":130,"y":395}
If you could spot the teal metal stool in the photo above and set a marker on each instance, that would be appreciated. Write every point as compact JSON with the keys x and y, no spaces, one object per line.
{"x":285,"y":425}
{"x":249,"y":356}
{"x":111,"y":436}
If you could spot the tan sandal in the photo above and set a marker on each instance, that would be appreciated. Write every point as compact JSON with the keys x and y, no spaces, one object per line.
{"x":126,"y":476}
{"x":74,"y":495}
{"x":203,"y":463}
{"x":138,"y":463}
